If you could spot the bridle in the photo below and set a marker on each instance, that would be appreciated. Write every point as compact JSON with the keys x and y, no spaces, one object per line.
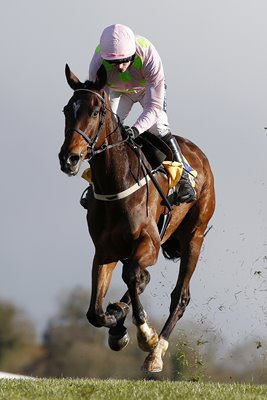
{"x":140,"y":182}
{"x":92,"y":142}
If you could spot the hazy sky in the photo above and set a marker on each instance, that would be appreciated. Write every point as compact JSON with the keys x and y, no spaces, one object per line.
{"x":215,"y":59}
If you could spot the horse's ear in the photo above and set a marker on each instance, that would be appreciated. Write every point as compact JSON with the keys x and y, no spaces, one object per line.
{"x":101,"y":78}
{"x":72,"y":79}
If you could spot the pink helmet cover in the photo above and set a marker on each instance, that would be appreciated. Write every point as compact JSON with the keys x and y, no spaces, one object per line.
{"x":117,"y":41}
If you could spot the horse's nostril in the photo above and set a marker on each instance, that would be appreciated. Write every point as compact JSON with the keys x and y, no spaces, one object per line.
{"x":73,"y":159}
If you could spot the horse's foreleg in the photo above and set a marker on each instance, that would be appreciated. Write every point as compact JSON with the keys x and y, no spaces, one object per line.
{"x":118,"y":335}
{"x":180,"y":298}
{"x":136,"y":280}
{"x":101,"y":276}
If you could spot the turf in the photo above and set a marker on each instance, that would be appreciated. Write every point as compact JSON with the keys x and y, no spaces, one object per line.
{"x":71,"y":389}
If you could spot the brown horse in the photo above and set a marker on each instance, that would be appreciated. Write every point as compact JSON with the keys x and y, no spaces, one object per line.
{"x":124,"y":209}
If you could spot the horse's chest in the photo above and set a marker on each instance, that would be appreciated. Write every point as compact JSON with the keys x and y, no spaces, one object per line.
{"x":115,"y":231}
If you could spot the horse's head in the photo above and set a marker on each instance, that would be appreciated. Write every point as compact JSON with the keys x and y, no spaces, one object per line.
{"x":84,"y":120}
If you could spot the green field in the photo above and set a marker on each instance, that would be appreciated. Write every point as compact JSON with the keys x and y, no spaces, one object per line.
{"x":70,"y":389}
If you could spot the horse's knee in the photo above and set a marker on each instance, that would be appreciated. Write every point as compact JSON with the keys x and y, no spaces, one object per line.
{"x":145,"y":279}
{"x":129,"y":275}
{"x":134,"y":275}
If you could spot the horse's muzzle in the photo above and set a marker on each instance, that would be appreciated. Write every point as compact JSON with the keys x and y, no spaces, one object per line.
{"x":70,"y":163}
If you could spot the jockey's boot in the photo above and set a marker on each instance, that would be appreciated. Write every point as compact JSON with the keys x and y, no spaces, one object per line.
{"x":185,"y":193}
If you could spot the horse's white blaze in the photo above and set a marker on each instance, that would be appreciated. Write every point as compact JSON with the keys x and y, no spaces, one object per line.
{"x":76,"y":107}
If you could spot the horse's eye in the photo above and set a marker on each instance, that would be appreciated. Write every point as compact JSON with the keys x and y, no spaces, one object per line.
{"x":95,"y":113}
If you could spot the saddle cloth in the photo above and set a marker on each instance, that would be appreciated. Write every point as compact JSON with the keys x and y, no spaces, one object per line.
{"x":175,"y":169}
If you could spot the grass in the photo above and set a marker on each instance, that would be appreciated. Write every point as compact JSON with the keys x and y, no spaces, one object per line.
{"x":93,"y":389}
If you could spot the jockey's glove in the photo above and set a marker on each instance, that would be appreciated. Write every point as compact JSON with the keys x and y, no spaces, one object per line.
{"x":132,"y":131}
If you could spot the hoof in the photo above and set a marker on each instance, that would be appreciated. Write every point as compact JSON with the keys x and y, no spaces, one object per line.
{"x":118,"y":342}
{"x":147,"y":337}
{"x":153,"y":362}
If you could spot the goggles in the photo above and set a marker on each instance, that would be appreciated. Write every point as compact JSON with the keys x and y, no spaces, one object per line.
{"x":121,"y":60}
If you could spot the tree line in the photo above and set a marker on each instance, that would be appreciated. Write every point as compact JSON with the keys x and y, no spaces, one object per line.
{"x":71,"y":347}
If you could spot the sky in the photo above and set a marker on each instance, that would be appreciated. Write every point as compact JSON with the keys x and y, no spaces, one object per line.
{"x":215,"y":61}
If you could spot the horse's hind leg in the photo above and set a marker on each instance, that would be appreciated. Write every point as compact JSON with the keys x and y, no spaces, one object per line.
{"x":180,"y":298}
{"x":118,"y":335}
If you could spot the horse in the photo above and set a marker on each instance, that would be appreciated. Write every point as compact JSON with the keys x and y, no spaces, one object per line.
{"x":123,"y":214}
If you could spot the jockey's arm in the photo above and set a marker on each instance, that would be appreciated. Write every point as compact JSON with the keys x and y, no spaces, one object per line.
{"x":155,"y":91}
{"x":153,"y":106}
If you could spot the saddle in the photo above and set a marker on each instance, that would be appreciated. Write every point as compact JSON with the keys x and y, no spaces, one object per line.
{"x":159,"y":156}
{"x":154,"y":148}
{"x":158,"y":153}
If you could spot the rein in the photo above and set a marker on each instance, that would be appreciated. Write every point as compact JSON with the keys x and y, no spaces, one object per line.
{"x":141,"y":182}
{"x":92,"y":142}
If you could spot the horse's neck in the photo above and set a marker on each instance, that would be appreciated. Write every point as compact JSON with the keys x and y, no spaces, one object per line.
{"x":114,"y":169}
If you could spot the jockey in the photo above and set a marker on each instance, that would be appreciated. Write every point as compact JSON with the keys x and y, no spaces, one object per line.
{"x":135,"y":74}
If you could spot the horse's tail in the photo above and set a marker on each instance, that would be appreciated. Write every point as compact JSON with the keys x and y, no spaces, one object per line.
{"x":171,"y":249}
